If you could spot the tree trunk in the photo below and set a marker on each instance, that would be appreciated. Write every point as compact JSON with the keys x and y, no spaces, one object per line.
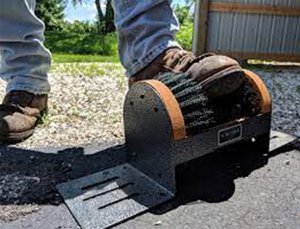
{"x":100,"y":14}
{"x":109,"y":18}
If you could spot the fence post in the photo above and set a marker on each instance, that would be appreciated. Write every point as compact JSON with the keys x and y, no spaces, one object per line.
{"x":200,"y":26}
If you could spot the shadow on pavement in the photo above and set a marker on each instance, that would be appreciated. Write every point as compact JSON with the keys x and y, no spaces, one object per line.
{"x":29,"y":177}
{"x":211,"y":178}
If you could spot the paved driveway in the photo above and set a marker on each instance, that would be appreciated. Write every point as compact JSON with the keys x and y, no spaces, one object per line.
{"x":263,"y":196}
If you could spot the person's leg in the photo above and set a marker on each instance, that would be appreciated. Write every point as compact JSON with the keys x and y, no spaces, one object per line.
{"x":24,"y":61}
{"x":145,"y":30}
{"x":24,"y":64}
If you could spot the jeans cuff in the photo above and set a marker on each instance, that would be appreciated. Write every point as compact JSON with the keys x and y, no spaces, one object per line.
{"x":138,"y":65}
{"x":41,"y":90}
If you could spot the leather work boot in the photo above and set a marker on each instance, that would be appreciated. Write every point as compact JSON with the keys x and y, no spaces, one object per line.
{"x":171,"y":60}
{"x":219,"y":75}
{"x":20,"y":112}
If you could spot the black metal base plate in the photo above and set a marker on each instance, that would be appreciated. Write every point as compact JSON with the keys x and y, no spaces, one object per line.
{"x":107,"y":198}
{"x":279,"y":139}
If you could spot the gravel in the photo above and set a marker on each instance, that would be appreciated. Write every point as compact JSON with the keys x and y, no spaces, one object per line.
{"x":12,"y":188}
{"x":87,"y":108}
{"x":82,"y":109}
{"x":284,"y":86}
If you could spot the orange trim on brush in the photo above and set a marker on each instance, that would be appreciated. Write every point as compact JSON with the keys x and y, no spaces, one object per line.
{"x":265,"y":98}
{"x":172,"y":107}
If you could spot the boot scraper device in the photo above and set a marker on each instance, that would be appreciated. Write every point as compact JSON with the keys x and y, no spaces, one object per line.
{"x":161,"y":134}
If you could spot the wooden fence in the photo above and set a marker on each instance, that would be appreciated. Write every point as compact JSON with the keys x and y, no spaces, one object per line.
{"x":248,"y":29}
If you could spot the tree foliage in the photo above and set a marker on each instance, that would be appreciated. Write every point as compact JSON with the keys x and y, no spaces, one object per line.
{"x":83,"y":36}
{"x":105,"y":19}
{"x":51,"y":12}
{"x":185,"y":18}
{"x":105,"y":15}
{"x":182,"y":13}
{"x":80,"y":27}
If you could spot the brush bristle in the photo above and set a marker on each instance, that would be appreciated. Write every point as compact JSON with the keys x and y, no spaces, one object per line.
{"x":201,"y":112}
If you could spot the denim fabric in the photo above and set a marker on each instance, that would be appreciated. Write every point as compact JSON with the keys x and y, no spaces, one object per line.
{"x":145,"y":29}
{"x":24,"y":61}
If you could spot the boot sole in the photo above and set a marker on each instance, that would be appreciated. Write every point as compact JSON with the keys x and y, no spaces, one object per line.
{"x":14,"y":138}
{"x":224,"y":85}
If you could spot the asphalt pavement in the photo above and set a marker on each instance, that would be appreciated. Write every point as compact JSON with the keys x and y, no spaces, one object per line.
{"x":266,"y":196}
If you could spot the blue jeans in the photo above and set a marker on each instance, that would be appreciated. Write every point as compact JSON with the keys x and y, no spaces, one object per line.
{"x":145,"y":29}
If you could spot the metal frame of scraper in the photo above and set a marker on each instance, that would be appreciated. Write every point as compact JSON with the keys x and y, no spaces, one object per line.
{"x":156,"y":137}
{"x":157,"y":145}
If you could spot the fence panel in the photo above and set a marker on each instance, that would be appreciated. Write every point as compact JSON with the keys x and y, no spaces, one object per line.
{"x":248,"y":29}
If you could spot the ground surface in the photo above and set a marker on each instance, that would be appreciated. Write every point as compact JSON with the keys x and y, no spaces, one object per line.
{"x":266,"y":196}
{"x":86,"y":107}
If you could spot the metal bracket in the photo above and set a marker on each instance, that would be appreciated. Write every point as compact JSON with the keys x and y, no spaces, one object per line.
{"x":107,"y":198}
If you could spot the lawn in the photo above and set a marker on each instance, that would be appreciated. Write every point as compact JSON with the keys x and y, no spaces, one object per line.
{"x":83,"y":58}
{"x":82,"y":48}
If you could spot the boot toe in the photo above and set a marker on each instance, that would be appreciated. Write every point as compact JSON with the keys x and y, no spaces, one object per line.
{"x":16,"y":127}
{"x":225,"y":86}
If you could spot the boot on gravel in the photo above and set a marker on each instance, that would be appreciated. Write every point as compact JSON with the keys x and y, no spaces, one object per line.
{"x":219,"y":75}
{"x":20,"y":112}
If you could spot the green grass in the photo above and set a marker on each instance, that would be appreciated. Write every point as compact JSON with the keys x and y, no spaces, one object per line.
{"x":83,"y":58}
{"x":71,"y":43}
{"x":89,"y":69}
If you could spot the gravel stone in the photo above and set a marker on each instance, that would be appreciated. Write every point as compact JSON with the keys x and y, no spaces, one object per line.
{"x":158,"y":223}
